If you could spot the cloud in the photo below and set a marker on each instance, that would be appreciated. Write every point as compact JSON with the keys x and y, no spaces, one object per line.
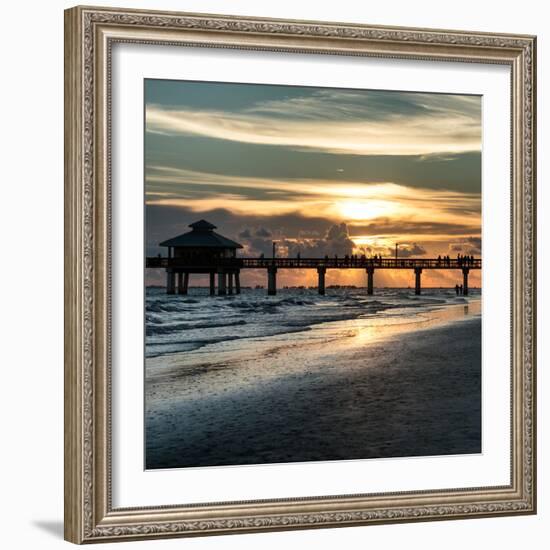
{"x":336,"y":241}
{"x":468,"y":245}
{"x":394,"y":227}
{"x":337,"y":104}
{"x":262,"y":232}
{"x":410,"y":250}
{"x":474,"y":242}
{"x":256,"y":241}
{"x":354,"y":202}
{"x":340,"y":122}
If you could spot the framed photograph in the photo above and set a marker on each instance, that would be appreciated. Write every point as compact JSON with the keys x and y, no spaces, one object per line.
{"x":300,"y":274}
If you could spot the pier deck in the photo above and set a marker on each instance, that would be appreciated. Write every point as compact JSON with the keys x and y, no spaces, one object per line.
{"x":314,"y":263}
{"x":228,"y":269}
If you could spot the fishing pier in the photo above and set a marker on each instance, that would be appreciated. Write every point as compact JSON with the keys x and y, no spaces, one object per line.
{"x":203,"y":251}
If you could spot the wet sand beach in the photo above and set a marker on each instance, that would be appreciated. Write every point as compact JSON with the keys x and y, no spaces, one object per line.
{"x":401,"y":383}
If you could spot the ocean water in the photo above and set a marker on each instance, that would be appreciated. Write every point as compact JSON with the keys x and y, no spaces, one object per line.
{"x":177,"y":324}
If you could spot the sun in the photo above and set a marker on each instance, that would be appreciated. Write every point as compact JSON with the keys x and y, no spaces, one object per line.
{"x":365,"y":209}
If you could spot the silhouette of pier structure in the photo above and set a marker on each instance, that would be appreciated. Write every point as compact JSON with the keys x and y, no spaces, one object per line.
{"x":204,"y":251}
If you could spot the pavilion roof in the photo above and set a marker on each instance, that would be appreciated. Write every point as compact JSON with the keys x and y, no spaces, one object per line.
{"x":202,"y":235}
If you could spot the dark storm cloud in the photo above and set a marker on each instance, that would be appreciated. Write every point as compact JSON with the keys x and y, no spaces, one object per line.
{"x":335,"y":241}
{"x":257,"y":241}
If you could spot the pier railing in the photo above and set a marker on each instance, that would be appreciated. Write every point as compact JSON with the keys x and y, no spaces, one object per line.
{"x":314,"y":263}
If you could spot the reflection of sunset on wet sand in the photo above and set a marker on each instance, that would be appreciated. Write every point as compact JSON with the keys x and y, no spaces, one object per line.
{"x":297,"y":377}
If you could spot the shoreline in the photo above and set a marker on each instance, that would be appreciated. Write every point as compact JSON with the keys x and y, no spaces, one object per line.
{"x":408,"y":390}
{"x":366,"y":330}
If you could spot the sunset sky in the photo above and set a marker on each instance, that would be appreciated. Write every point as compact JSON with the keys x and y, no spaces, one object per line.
{"x":320,"y":170}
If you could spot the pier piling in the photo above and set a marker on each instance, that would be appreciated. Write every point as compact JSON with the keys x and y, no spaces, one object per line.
{"x":183,"y":282}
{"x":370,"y":280}
{"x":237,"y":283}
{"x":170,"y":282}
{"x":417,"y":284}
{"x":230,"y":283}
{"x":212,"y":283}
{"x":271,"y":281}
{"x":465,"y":271}
{"x":321,"y":271}
{"x":222,"y":291}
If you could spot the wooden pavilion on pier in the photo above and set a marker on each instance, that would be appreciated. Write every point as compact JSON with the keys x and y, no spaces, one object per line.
{"x":202,"y":250}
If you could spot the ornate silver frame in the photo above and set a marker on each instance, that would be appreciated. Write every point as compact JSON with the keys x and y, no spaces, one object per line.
{"x":89,"y":36}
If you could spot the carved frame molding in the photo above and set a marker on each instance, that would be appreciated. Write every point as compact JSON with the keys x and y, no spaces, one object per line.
{"x":89,"y":36}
